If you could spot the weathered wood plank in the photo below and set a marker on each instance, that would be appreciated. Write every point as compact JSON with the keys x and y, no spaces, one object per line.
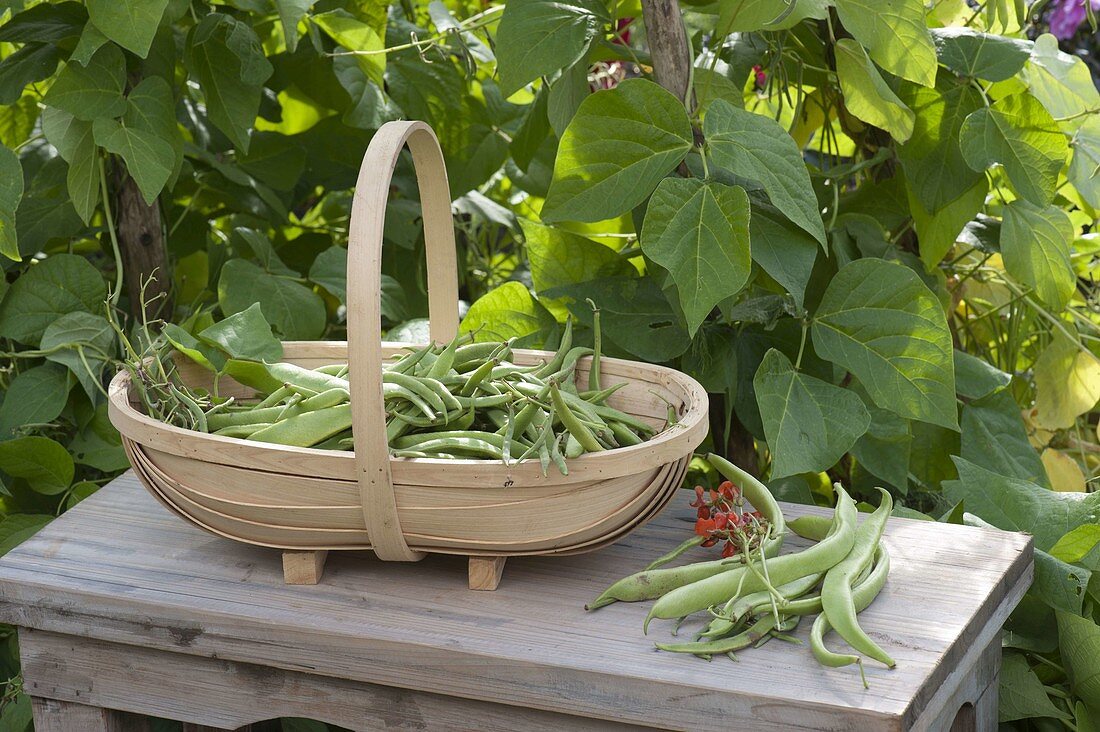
{"x":52,"y":715}
{"x":233,"y":695}
{"x":161,"y":583}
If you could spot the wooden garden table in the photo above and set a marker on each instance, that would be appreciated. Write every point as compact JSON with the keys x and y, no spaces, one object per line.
{"x":123,"y":608}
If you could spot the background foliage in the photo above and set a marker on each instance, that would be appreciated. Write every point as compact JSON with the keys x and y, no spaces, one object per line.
{"x":868,"y":234}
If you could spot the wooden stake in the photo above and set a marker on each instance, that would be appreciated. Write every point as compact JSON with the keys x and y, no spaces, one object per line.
{"x":303,"y":568}
{"x":485,"y":572}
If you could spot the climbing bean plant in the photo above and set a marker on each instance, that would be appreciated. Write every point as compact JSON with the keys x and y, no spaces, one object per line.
{"x":866,"y":228}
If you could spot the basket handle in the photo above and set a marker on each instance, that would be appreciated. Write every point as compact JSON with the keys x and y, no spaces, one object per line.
{"x":368,"y":213}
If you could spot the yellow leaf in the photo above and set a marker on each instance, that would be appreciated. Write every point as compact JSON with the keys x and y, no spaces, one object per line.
{"x":1036,"y":435}
{"x":1067,"y":383}
{"x":1064,"y":472}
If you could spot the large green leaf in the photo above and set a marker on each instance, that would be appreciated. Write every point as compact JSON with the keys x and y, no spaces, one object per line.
{"x":290,"y":12}
{"x":506,"y":312}
{"x":758,"y":148}
{"x":1079,"y":642}
{"x":620,"y":144}
{"x":885,"y":448}
{"x":1014,"y":504}
{"x":538,"y":37}
{"x":560,"y":257}
{"x":85,"y":343}
{"x":1075,"y":545}
{"x":33,"y":62}
{"x":879,"y":321}
{"x":980,"y":55}
{"x":91,"y":91}
{"x":894,"y":34}
{"x":294,"y":310}
{"x":1062,"y":82}
{"x":566,"y":94}
{"x":809,"y":423}
{"x":994,"y":437}
{"x":1035,"y":244}
{"x":783,"y":250}
{"x":46,"y":212}
{"x":355,"y":35}
{"x":129,"y":23}
{"x":244,"y":335}
{"x":634,"y":313}
{"x":151,"y":108}
{"x":1022,"y":693}
{"x":975,"y":377}
{"x":748,"y":15}
{"x":699,"y":232}
{"x":225,"y":56}
{"x":43,"y":22}
{"x":867,"y":96}
{"x":11,"y":193}
{"x":935,"y":169}
{"x":937,"y":232}
{"x":59,"y":284}
{"x":44,"y":463}
{"x":75,"y":143}
{"x":275,"y":159}
{"x":149,"y":159}
{"x":36,"y":396}
{"x":91,"y":40}
{"x":1020,"y":135}
{"x":1084,"y":168}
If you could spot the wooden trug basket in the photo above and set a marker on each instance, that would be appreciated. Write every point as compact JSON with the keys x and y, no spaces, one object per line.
{"x":307,"y":501}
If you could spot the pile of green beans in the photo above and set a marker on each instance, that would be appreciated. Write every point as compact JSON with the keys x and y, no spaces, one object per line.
{"x":751,"y":599}
{"x":460,"y":400}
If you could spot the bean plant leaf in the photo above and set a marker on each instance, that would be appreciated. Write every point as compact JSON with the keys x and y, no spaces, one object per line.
{"x":894,"y":34}
{"x":201,"y":353}
{"x":91,"y":40}
{"x":36,"y":396}
{"x":1079,"y":642}
{"x":11,"y":193}
{"x":634,"y":313}
{"x":994,"y":437}
{"x":355,"y":35}
{"x":294,"y":310}
{"x":565,"y":97}
{"x":506,"y":312}
{"x":885,"y":448}
{"x":867,"y":95}
{"x":1014,"y":504}
{"x":1062,"y":82}
{"x":129,"y":23}
{"x":757,"y":148}
{"x":559,"y":257}
{"x":225,"y":56}
{"x":43,"y":463}
{"x":976,"y":377}
{"x":538,"y":37}
{"x":244,"y":335}
{"x":92,"y":91}
{"x":85,"y":343}
{"x":935,"y":169}
{"x":1076,"y":544}
{"x":1067,"y":383}
{"x":980,"y":55}
{"x":809,"y":423}
{"x":1020,"y":135}
{"x":75,"y":143}
{"x":1084,"y":168}
{"x":1022,"y":693}
{"x":151,"y":109}
{"x":59,"y":284}
{"x":938,"y":232}
{"x":699,"y":232}
{"x":736,"y":16}
{"x":783,"y":250}
{"x":1035,"y":244}
{"x":620,"y":144}
{"x":33,"y":62}
{"x":149,"y":159}
{"x":44,"y":22}
{"x":290,"y":12}
{"x":879,"y":321}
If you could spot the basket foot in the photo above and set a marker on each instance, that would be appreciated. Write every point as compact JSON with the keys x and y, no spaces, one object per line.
{"x":485,"y":572}
{"x":303,"y":568}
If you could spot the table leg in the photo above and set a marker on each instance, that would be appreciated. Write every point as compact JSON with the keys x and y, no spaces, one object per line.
{"x":51,"y":715}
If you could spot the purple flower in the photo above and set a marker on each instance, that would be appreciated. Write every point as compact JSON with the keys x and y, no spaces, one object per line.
{"x":1065,"y":16}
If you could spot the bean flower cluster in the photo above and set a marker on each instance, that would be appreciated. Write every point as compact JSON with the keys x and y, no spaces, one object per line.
{"x":721,"y":517}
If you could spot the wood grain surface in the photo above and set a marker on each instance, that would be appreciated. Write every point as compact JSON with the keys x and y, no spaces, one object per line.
{"x":120,"y":568}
